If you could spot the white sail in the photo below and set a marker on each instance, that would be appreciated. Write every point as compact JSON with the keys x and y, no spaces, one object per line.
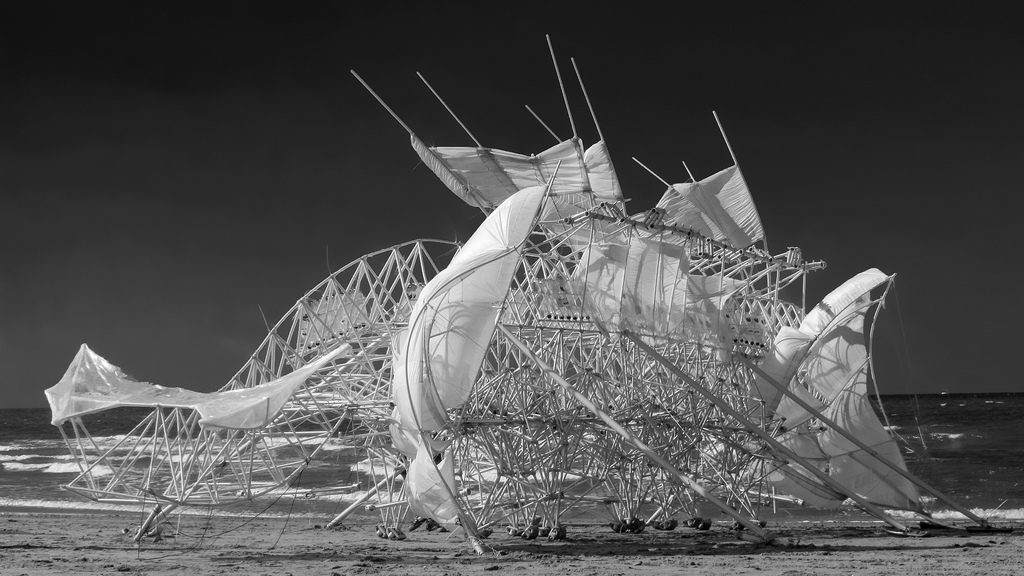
{"x":780,"y":365}
{"x":642,"y":283}
{"x":436,"y":360}
{"x":653,"y":272}
{"x":601,"y":275}
{"x":485,"y":177}
{"x":840,"y":299}
{"x":838,"y":351}
{"x":601,"y":173}
{"x":700,"y":314}
{"x":844,"y":461}
{"x":430,"y":486}
{"x":832,"y":378}
{"x":92,"y":384}
{"x":719,"y":206}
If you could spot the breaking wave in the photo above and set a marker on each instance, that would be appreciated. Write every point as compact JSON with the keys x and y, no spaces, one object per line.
{"x":987,"y":513}
{"x":26,"y":457}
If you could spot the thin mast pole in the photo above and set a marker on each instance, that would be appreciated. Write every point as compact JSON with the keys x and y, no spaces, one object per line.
{"x":653,"y":173}
{"x":772,"y":442}
{"x":381,"y":102}
{"x":448,"y":108}
{"x":481,"y":202}
{"x":726,"y":138}
{"x":856,"y":441}
{"x":546,"y":127}
{"x":587,"y":98}
{"x":803,"y":291}
{"x":688,"y":173}
{"x":561,"y":86}
{"x":629,"y":437}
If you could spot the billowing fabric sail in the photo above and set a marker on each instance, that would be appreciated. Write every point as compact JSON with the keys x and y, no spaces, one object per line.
{"x":780,"y":364}
{"x":700,"y":316}
{"x":436,"y":360}
{"x":601,"y":173}
{"x":653,"y":271}
{"x":840,"y":299}
{"x":838,"y":351}
{"x":848,"y":464}
{"x":430,"y":487}
{"x":565,"y":202}
{"x":831,"y":376}
{"x":795,"y":481}
{"x":641,"y":283}
{"x":92,"y":384}
{"x":719,"y":206}
{"x":453,"y":181}
{"x":601,"y":276}
{"x":485,"y":177}
{"x":860,"y":471}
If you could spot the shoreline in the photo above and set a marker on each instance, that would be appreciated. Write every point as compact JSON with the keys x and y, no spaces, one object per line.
{"x":328,"y":509}
{"x":34,"y":542}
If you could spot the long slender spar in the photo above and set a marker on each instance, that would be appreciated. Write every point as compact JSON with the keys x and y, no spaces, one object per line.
{"x":450,"y":111}
{"x":874,"y":453}
{"x":481,"y":202}
{"x":652,"y":172}
{"x":772,"y":442}
{"x":382,"y":103}
{"x":561,"y":86}
{"x":542,"y":123}
{"x":586,"y":97}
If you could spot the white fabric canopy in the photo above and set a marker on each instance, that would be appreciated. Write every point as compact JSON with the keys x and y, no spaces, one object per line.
{"x":485,"y":177}
{"x":430,"y":486}
{"x":831,"y":376}
{"x":641,"y":283}
{"x":844,"y":461}
{"x":601,"y":276}
{"x":435,"y":361}
{"x":701,"y":315}
{"x":719,"y":207}
{"x":601,"y":173}
{"x":653,"y":271}
{"x":840,"y":299}
{"x":92,"y":384}
{"x":838,"y":350}
{"x":780,"y":364}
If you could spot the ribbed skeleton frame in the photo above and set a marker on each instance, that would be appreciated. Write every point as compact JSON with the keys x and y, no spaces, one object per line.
{"x":523,"y":448}
{"x":171,"y":459}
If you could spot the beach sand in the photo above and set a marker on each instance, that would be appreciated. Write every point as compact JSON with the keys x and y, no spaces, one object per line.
{"x":34,"y":542}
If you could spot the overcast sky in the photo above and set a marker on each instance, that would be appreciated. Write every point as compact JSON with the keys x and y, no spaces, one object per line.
{"x":167,"y":171}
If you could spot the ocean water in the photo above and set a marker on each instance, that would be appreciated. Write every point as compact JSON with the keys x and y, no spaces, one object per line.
{"x":970,"y":447}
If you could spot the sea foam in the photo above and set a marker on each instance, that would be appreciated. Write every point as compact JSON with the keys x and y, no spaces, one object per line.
{"x":55,"y":468}
{"x":987,"y":513}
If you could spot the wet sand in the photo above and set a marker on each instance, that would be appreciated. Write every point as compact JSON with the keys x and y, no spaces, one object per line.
{"x":35,"y":543}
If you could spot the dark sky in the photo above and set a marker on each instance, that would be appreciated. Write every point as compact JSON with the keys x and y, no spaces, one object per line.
{"x":165,"y":171}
